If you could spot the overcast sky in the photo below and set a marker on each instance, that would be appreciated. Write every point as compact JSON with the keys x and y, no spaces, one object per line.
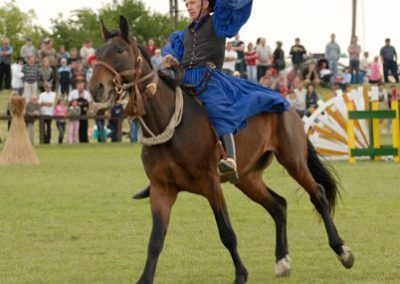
{"x":311,"y":20}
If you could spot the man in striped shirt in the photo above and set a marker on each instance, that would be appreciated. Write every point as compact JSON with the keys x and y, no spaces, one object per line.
{"x":32,"y":76}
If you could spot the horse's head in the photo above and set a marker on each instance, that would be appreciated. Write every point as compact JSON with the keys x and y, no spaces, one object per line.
{"x":119,"y":71}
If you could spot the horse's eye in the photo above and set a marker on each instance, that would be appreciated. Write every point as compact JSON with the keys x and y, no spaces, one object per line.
{"x":120,"y":50}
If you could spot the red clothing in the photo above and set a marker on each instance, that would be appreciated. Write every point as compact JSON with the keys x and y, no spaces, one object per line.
{"x":151,"y":50}
{"x":251,"y":58}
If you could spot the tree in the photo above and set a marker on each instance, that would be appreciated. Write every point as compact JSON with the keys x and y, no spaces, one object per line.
{"x":85,"y":24}
{"x":17,"y":25}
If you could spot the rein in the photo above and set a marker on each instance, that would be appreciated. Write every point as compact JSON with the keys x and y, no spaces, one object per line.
{"x":137,"y":99}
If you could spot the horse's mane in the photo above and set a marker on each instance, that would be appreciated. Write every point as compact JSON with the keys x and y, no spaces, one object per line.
{"x":171,"y":82}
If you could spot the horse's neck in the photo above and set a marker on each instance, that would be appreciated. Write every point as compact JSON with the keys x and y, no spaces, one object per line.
{"x":160,"y":108}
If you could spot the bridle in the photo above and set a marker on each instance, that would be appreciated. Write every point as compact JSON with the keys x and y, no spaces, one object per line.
{"x":137,"y":98}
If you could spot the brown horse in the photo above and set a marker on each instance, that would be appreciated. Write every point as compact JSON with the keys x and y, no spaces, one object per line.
{"x":188,"y":161}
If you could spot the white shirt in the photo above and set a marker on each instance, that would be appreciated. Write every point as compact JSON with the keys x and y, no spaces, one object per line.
{"x":47,"y":97}
{"x":74,"y":95}
{"x":17,"y":75}
{"x":230,"y":64}
{"x":300,"y":103}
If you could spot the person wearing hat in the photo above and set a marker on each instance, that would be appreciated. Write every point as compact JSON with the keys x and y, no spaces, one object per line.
{"x":27,"y":49}
{"x":200,"y":48}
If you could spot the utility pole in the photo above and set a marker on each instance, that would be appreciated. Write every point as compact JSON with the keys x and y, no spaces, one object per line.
{"x":174,"y":12}
{"x":354,"y":21}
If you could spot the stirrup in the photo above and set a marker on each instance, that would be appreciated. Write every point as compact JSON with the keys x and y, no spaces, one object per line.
{"x":227,"y":166}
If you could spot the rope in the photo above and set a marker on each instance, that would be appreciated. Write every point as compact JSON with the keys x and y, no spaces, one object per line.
{"x":169,"y":130}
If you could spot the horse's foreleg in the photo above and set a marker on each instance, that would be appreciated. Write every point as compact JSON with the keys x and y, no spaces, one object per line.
{"x":253,"y":186}
{"x":161,"y":201}
{"x":226,"y":232}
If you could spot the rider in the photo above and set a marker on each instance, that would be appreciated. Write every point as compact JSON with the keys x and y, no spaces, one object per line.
{"x":200,"y":48}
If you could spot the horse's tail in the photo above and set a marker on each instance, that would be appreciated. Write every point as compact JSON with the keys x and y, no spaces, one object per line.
{"x":324,"y":174}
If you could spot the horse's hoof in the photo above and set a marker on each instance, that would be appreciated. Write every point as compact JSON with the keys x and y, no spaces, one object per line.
{"x":241,"y":279}
{"x":282,"y":267}
{"x":346,"y":257}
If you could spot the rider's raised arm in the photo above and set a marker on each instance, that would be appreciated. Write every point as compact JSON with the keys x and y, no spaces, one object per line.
{"x":176,"y":40}
{"x":230,"y":15}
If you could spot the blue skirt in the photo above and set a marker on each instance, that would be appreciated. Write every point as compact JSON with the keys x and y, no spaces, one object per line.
{"x":230,"y":101}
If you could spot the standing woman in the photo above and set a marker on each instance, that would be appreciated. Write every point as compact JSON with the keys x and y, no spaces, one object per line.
{"x":200,"y":48}
{"x":251,"y":62}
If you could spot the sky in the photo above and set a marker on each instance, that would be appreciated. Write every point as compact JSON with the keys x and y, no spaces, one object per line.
{"x":311,"y":20}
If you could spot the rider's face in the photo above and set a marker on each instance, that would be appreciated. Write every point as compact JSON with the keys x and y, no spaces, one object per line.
{"x":194,"y":6}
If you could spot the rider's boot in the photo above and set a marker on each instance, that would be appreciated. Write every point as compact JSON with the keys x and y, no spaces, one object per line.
{"x":228,"y":166}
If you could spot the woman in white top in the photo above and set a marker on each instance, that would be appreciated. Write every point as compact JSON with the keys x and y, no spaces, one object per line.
{"x":16,"y":76}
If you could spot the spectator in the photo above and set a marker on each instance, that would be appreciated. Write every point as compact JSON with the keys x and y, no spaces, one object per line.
{"x":62,"y":53}
{"x":354,"y":51}
{"x":74,"y":112}
{"x":51,"y":53}
{"x":86,"y":51}
{"x":31,"y":114}
{"x":311,"y":100}
{"x":156,"y":59}
{"x":281,"y":82}
{"x":310,"y":73}
{"x":79,"y":89}
{"x":116,"y":115}
{"x":31,"y":79}
{"x":6,"y":52}
{"x":343,"y":80}
{"x":230,"y":59}
{"x":264,"y":58}
{"x":83,"y":103}
{"x":300,"y":96}
{"x":27,"y":49}
{"x":332,"y":54}
{"x":151,"y":48}
{"x":60,"y":112}
{"x":47,"y":102}
{"x":375,"y":76}
{"x":251,"y":63}
{"x":268,"y":79}
{"x":73,"y":58}
{"x":41,"y":52}
{"x":279,"y":57}
{"x":65,"y":77}
{"x":17,"y":84}
{"x":364,"y":67}
{"x":325,"y":75}
{"x":133,"y":131}
{"x":91,"y":63}
{"x":238,"y":46}
{"x":47,"y":74}
{"x":389,"y":58}
{"x":297,"y":51}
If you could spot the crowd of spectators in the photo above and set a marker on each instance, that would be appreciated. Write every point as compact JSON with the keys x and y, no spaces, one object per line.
{"x":54,"y":82}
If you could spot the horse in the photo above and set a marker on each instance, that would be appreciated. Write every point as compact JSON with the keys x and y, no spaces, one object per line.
{"x":187,"y":160}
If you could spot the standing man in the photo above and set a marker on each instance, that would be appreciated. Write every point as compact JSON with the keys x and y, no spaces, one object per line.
{"x":279,"y":57}
{"x":6,"y":52}
{"x":27,"y":49}
{"x":47,"y":101}
{"x":238,"y":46}
{"x":230,"y":59}
{"x":389,"y":59}
{"x":332,"y":54}
{"x":264,"y":58}
{"x":354,"y":51}
{"x":297,"y":52}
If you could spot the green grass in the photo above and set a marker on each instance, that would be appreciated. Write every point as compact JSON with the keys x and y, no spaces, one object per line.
{"x":72,"y":220}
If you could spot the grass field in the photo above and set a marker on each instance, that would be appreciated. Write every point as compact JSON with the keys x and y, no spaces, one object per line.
{"x":72,"y":220}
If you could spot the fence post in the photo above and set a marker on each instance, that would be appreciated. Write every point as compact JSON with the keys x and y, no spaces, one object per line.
{"x":396,"y":130}
{"x":375,"y":130}
{"x":350,"y":132}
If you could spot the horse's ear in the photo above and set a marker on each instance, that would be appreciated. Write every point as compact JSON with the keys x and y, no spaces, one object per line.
{"x":124,"y":27}
{"x":104,"y":31}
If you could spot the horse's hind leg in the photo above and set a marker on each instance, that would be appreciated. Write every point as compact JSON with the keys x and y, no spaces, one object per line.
{"x":253,"y":186}
{"x":161,"y":201}
{"x":306,"y":169}
{"x":216,"y":199}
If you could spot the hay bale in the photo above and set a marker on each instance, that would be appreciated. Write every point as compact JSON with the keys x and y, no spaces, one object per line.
{"x":18,"y":149}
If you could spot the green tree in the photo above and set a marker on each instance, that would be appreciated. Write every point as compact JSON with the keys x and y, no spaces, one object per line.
{"x":17,"y":25}
{"x":85,"y":24}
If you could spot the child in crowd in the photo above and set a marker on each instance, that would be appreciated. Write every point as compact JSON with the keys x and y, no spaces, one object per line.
{"x":74,"y":113}
{"x":65,"y":76}
{"x":375,"y":76}
{"x":60,"y":111}
{"x":16,"y":76}
{"x":311,"y":99}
